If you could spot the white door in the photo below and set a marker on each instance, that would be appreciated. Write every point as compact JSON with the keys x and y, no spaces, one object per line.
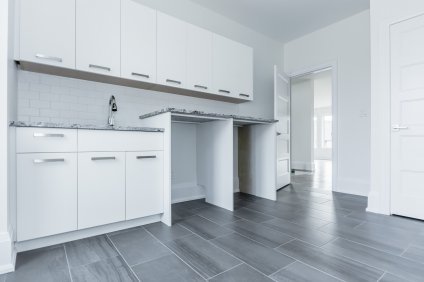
{"x":407,"y":118}
{"x":144,"y":184}
{"x":101,"y":188}
{"x":282,"y":114}
{"x":171,"y":51}
{"x":47,"y":32}
{"x":199,"y":59}
{"x":98,"y":36}
{"x":138,"y":41}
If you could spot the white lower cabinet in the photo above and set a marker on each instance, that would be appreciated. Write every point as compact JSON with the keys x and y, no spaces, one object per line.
{"x":144,"y":182}
{"x":46,"y":194}
{"x":101,"y":188}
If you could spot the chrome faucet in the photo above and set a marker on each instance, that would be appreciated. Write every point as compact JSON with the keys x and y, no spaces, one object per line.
{"x":112,"y":109}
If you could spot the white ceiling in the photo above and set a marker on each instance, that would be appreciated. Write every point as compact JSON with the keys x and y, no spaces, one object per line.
{"x":285,"y":20}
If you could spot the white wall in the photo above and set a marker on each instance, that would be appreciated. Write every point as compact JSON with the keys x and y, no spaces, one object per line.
{"x":322,"y":107}
{"x":302,"y":109}
{"x":383,"y":13}
{"x":7,"y":113}
{"x":347,"y":43}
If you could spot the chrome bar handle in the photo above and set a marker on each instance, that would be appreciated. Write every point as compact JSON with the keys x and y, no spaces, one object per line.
{"x":40,"y":161}
{"x":145,"y":157}
{"x":50,"y":58}
{"x":173,"y":81}
{"x":140,"y":74}
{"x":201,"y":87}
{"x":224,"y":91}
{"x":99,"y":67}
{"x":103,"y":158}
{"x":397,"y":127}
{"x":244,"y":95}
{"x":36,"y":134}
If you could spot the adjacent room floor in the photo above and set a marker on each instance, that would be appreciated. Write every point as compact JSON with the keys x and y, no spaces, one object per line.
{"x":309,"y":234}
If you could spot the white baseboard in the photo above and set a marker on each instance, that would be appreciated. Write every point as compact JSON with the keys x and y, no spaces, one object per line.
{"x":303,"y":165}
{"x":7,"y":253}
{"x":182,"y":192}
{"x":353,"y":186}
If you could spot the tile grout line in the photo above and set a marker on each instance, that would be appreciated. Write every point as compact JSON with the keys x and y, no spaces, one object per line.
{"x":123,"y":258}
{"x":67,"y":262}
{"x":175,"y":253}
{"x":241,"y":263}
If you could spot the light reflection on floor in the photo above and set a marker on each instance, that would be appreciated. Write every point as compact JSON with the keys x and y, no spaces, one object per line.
{"x":321,"y":178}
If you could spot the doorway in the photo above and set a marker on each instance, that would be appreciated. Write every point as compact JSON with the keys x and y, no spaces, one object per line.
{"x":312,"y":124}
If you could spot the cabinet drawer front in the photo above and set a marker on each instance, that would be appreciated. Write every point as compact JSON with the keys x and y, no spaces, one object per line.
{"x":101,"y":188}
{"x":34,"y":140}
{"x":144,"y":184}
{"x":46,"y":194}
{"x":120,"y":141}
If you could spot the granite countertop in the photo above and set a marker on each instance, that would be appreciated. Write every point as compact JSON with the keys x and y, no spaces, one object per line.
{"x":83,"y":126}
{"x":205,"y":114}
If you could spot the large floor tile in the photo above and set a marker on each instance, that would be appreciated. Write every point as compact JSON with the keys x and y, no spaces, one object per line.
{"x":218,"y":215}
{"x":204,"y":227}
{"x":166,"y":269}
{"x":335,"y":265}
{"x":256,"y":255}
{"x":193,"y":205}
{"x":298,"y":271}
{"x":167,"y":233}
{"x":399,"y":266}
{"x":375,"y":239}
{"x":241,"y":273}
{"x":138,"y":246}
{"x":179,"y":214}
{"x":333,"y":217}
{"x":203,"y":256}
{"x":108,"y":270}
{"x":42,"y":265}
{"x":388,"y":277}
{"x":259,"y":233}
{"x":89,"y":250}
{"x":309,"y":235}
{"x":252,"y":215}
{"x":2,"y":277}
{"x":414,"y":253}
{"x":303,"y":219}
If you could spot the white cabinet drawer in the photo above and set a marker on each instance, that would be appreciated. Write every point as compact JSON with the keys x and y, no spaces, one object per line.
{"x":46,"y":194}
{"x":34,"y":140}
{"x":144,"y":184}
{"x":101,"y":188}
{"x":119,"y":141}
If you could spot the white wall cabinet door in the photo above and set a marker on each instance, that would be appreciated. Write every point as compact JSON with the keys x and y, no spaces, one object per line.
{"x":171,"y":51}
{"x":144,"y":184}
{"x":98,"y":36}
{"x":101,"y":188}
{"x":223,"y":69}
{"x":199,"y":59}
{"x":138,"y":41}
{"x":243,"y":63}
{"x":47,"y":32}
{"x":46,"y":194}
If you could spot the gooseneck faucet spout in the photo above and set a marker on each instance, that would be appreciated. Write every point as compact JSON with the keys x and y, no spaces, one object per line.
{"x":112,"y":109}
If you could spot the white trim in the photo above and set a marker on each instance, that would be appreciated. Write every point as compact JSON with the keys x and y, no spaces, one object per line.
{"x":333,"y":65}
{"x":308,"y":166}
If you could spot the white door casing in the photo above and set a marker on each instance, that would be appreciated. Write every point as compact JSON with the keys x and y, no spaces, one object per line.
{"x":407,"y":118}
{"x":282,"y":114}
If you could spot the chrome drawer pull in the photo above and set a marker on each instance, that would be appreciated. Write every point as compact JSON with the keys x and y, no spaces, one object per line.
{"x":40,"y":161}
{"x":103,"y":158}
{"x":244,"y":95}
{"x":200,"y":86}
{"x":145,"y":157}
{"x":51,"y":58}
{"x":173,"y":81}
{"x":224,"y":91}
{"x":99,"y":67}
{"x":140,"y":74}
{"x":49,"y":135}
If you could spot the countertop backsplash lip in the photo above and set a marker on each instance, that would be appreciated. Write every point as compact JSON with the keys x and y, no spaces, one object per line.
{"x":207,"y":114}
{"x":83,"y":126}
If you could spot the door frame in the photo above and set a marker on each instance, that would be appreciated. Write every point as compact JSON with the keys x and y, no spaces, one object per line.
{"x":333,"y":65}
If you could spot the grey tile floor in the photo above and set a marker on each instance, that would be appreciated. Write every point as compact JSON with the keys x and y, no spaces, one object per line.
{"x":309,"y":234}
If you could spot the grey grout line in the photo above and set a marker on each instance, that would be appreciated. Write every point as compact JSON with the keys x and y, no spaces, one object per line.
{"x":123,"y":258}
{"x":285,"y":243}
{"x":284,"y":267}
{"x":384,"y":273}
{"x":175,"y":253}
{"x":67,"y":262}
{"x":241,"y":263}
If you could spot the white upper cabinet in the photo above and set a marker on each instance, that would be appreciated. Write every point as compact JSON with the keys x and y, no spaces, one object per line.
{"x":138,"y":41}
{"x":47,"y":32}
{"x":199,"y":59}
{"x":98,"y":36}
{"x":243,"y":62}
{"x":172,"y":51}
